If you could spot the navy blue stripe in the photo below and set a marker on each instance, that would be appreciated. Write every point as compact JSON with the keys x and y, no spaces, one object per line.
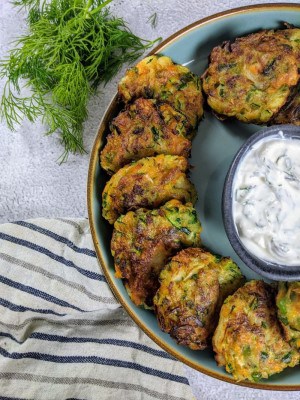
{"x":18,"y":308}
{"x":12,"y":398}
{"x":113,"y":342}
{"x":4,"y":334}
{"x":57,"y":237}
{"x":95,"y":360}
{"x":37,"y":293}
{"x":62,"y":260}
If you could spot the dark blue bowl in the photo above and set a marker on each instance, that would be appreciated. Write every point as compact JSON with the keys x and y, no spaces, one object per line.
{"x":265,"y":268}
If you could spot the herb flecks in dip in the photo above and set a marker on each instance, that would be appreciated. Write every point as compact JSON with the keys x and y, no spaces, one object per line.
{"x":266,"y":200}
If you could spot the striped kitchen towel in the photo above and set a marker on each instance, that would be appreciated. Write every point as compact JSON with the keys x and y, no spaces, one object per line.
{"x":62,"y":333}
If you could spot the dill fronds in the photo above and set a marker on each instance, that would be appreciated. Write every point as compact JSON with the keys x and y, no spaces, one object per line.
{"x":72,"y":46}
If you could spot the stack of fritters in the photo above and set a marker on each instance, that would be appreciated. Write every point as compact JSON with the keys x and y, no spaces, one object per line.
{"x":255,"y":78}
{"x":157,"y":77}
{"x":192,"y":289}
{"x":147,"y":151}
{"x":164,"y":104}
{"x":143,"y":241}
{"x":248,"y":340}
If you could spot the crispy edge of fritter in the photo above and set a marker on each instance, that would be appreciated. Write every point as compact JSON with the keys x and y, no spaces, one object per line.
{"x":284,"y":298}
{"x":290,"y":112}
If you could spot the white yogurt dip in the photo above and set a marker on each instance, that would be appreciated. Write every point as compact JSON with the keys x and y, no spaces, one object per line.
{"x":266,"y":200}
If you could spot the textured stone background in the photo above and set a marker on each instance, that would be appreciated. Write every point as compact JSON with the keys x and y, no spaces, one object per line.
{"x":32,"y":184}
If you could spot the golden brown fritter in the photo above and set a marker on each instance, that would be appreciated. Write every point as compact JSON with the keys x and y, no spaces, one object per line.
{"x":192,"y":289}
{"x":248,"y":339}
{"x":143,"y":241}
{"x":146,"y":128}
{"x":149,"y":183}
{"x":253,"y":77}
{"x":288,"y":311}
{"x":158,"y":77}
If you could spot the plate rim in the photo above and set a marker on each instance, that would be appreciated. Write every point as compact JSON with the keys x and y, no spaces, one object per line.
{"x":94,"y":160}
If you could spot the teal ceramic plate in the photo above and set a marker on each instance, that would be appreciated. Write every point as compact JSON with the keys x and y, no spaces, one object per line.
{"x":213,"y":150}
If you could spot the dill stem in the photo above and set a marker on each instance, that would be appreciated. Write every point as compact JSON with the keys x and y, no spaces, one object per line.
{"x":95,"y":10}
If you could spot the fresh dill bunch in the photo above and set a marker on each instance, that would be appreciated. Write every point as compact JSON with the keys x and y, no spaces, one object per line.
{"x":72,"y":46}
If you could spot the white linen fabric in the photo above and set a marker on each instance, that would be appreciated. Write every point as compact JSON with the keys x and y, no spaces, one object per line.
{"x":63,"y":335}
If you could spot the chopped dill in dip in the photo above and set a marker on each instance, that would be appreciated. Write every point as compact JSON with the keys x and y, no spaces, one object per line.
{"x":266,"y":200}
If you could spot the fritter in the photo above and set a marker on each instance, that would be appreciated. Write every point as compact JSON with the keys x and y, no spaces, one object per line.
{"x":143,"y":241}
{"x":288,"y":310}
{"x":192,"y":289}
{"x":248,"y":339}
{"x":149,"y":183}
{"x":146,"y":128}
{"x":253,"y":77}
{"x":160,"y":78}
